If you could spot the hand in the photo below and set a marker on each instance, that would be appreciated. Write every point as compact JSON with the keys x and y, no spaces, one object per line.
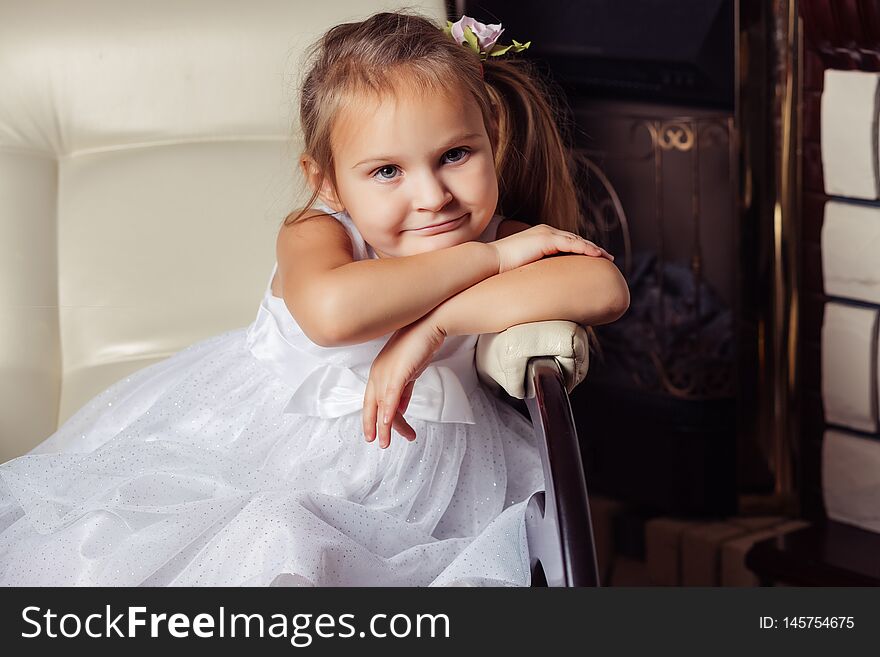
{"x":538,"y":241}
{"x":394,"y":372}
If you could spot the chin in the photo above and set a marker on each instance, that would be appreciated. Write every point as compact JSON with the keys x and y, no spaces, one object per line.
{"x":467,"y":232}
{"x":449,"y":238}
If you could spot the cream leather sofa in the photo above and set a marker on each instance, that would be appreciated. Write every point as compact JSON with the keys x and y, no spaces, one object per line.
{"x":147,"y":158}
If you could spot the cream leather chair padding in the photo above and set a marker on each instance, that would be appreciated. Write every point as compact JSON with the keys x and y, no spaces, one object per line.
{"x":147,"y":158}
{"x":502,"y":358}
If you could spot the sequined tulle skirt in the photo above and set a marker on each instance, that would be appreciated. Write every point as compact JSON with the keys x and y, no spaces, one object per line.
{"x":188,"y":473}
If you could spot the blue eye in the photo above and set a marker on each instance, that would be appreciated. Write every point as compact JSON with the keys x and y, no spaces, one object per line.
{"x":378,"y":172}
{"x":462,"y":153}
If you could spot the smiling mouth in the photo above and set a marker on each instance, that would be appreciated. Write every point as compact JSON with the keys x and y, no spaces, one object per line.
{"x":440,"y":227}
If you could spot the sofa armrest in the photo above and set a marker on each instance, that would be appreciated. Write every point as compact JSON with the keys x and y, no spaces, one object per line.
{"x":502,"y":358}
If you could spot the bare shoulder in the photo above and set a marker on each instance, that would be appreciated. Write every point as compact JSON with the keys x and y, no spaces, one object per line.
{"x":314,"y":227}
{"x":314,"y":244}
{"x":510,"y":227}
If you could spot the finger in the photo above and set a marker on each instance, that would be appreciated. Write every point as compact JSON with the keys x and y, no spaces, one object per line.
{"x":390,"y":401}
{"x":369,"y":414}
{"x":567,"y":242}
{"x":595,"y":249}
{"x":403,"y":427}
{"x":604,"y":253}
{"x":581,"y":245}
{"x":381,"y":433}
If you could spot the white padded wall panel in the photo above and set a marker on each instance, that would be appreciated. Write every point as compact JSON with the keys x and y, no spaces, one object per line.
{"x":849,"y":133}
{"x":162,"y":246}
{"x":96,"y":73}
{"x":850,"y":486}
{"x":850,"y":242}
{"x":30,"y":356}
{"x":849,"y":389}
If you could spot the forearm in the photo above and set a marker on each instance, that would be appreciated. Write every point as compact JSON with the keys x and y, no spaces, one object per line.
{"x":582,"y":289}
{"x":371,"y":298}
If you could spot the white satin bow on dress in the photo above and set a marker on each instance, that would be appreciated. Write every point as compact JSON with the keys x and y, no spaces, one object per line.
{"x":328,"y":389}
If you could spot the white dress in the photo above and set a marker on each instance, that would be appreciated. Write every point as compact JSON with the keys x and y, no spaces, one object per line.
{"x":241,"y":461}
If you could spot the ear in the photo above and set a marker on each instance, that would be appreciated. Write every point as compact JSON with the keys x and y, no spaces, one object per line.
{"x":323,"y":184}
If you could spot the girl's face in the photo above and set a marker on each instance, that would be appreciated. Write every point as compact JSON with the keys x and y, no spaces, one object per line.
{"x":415,"y":173}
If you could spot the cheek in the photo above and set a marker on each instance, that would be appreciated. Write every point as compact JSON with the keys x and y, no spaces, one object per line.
{"x":492,"y":185}
{"x":482,"y":189}
{"x":378,"y":230}
{"x":488,"y":179}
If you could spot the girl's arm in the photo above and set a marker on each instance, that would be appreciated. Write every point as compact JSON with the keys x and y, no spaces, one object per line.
{"x":337,"y":301}
{"x":589,"y":291}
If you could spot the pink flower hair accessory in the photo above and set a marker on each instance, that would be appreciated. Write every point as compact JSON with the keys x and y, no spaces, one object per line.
{"x":482,"y":39}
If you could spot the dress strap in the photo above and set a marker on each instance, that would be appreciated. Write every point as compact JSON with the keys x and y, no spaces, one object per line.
{"x":362,"y":250}
{"x":271,"y":278}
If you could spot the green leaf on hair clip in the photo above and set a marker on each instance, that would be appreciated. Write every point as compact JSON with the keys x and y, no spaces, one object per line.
{"x":448,"y":29}
{"x":516,"y":46}
{"x":471,"y":40}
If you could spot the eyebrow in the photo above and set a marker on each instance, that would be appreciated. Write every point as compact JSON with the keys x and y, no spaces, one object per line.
{"x":388,"y":158}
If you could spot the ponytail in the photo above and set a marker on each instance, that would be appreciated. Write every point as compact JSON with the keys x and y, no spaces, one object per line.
{"x":535,"y":167}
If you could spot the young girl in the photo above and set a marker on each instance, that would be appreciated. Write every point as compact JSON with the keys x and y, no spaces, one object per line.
{"x":251,"y":458}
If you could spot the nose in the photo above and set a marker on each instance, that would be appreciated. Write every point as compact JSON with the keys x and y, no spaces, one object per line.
{"x":431,"y":193}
